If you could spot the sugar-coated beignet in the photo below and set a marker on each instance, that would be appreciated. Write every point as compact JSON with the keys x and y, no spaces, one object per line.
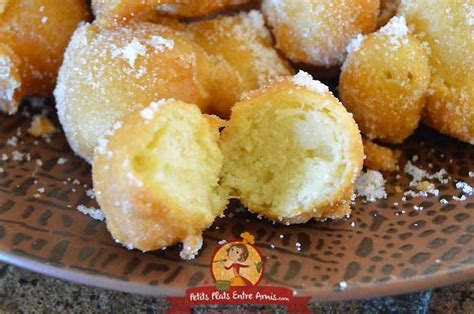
{"x":120,"y":11}
{"x":156,"y":177}
{"x":292,"y":152}
{"x":110,"y":72}
{"x":34,"y":35}
{"x":247,"y":46}
{"x":384,"y":82}
{"x":317,"y":31}
{"x":447,"y":26}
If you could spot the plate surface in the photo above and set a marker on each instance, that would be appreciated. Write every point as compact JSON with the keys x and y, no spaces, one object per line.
{"x":381,"y":249}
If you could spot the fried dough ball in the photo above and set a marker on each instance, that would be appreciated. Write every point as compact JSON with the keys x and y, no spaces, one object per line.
{"x":379,"y":157}
{"x":447,"y":26}
{"x":384,"y":82}
{"x":33,"y":36}
{"x":292,"y":152}
{"x":119,"y":11}
{"x":247,"y":46}
{"x":156,"y":177}
{"x":317,"y":31}
{"x":108,"y":73}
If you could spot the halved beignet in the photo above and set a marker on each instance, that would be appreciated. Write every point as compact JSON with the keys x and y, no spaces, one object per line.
{"x":292,"y":152}
{"x":156,"y":177}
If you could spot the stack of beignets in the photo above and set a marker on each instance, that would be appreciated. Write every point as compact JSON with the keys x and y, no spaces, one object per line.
{"x":109,"y":72}
{"x":143,"y":89}
{"x":162,"y":165}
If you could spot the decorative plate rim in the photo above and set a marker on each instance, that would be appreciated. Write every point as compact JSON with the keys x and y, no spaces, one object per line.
{"x":419,"y":283}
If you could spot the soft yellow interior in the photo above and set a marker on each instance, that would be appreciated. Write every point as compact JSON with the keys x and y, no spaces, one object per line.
{"x":285,"y":157}
{"x":181,"y":162}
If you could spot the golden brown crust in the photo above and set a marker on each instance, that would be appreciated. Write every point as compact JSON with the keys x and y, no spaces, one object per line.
{"x":334,"y":206}
{"x":38,"y":31}
{"x":446,"y":26}
{"x":450,"y":110}
{"x":379,"y":157}
{"x":246,"y":45}
{"x":384,"y":83}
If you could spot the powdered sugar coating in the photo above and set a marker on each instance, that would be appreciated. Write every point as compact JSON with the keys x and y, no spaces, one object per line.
{"x":305,"y":79}
{"x":95,"y":213}
{"x":126,"y":68}
{"x":318,"y":32}
{"x":355,"y":43}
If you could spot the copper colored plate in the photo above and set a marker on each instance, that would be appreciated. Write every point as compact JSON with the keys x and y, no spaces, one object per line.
{"x":382,"y":249}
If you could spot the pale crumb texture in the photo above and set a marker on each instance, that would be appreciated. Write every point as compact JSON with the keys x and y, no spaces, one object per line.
{"x":304,"y":79}
{"x":423,"y":189}
{"x":425,"y":186}
{"x":95,"y":213}
{"x":41,"y":126}
{"x":191,"y":247}
{"x":371,"y":185}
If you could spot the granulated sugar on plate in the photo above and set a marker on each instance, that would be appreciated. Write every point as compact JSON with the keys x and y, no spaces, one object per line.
{"x":371,"y":185}
{"x":95,"y":213}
